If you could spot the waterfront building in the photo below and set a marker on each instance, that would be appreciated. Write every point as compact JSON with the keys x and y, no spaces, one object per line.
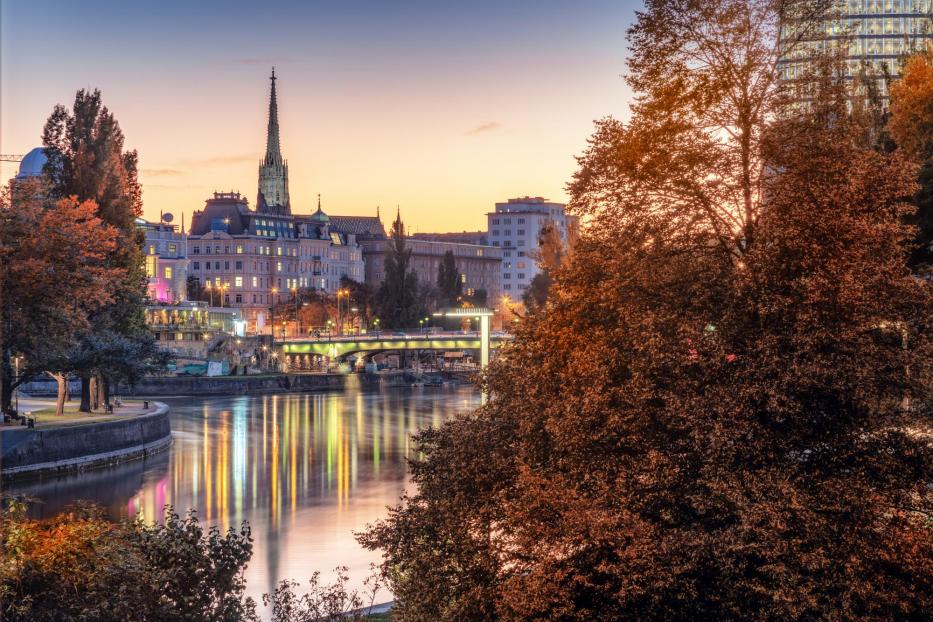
{"x":165,"y":249}
{"x":876,"y":35}
{"x":480,"y":266}
{"x":192,"y":330}
{"x":253,"y":259}
{"x":479,"y":238}
{"x":515,"y":227}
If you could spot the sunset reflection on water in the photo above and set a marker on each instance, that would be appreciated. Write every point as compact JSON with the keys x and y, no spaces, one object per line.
{"x":305,"y":471}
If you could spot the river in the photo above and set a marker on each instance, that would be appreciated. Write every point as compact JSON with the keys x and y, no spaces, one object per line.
{"x":305,"y":470}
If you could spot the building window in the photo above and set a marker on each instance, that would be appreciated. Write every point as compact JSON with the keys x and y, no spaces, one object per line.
{"x":507,"y":286}
{"x":255,"y":282}
{"x":521,"y":242}
{"x":254,"y":298}
{"x":197,"y":265}
{"x":278,"y":251}
{"x":196,"y":250}
{"x":239,"y":298}
{"x":278,"y":266}
{"x":238,"y":265}
{"x":239,"y":249}
{"x":238,"y":281}
{"x":521,"y":253}
{"x":521,"y":232}
{"x":152,"y":263}
{"x":207,"y":265}
{"x":168,"y":272}
{"x":521,"y":275}
{"x":521,"y":221}
{"x":207,"y":250}
{"x":507,"y":275}
{"x":226,"y":265}
{"x":172,"y":249}
{"x":152,"y":249}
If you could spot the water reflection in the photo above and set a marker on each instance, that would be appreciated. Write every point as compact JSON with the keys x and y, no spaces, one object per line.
{"x":305,"y":470}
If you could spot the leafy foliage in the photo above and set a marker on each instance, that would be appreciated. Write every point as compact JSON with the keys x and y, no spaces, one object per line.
{"x":54,"y":275}
{"x":81,"y":566}
{"x":723,"y":412}
{"x":398,"y":296}
{"x":449,"y":284}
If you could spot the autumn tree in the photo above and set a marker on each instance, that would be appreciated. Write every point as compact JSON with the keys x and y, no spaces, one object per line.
{"x":910,"y":125}
{"x":398,"y":296}
{"x":723,"y":411}
{"x":54,"y":275}
{"x":86,"y":159}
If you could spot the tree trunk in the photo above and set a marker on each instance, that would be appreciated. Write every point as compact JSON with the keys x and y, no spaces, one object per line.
{"x":62,"y":381}
{"x":85,"y":406}
{"x":98,"y":392}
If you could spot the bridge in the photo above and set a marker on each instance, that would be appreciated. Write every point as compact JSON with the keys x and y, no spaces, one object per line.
{"x":342,"y":346}
{"x":339,"y":347}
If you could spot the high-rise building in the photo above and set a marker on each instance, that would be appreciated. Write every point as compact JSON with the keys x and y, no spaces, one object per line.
{"x":516,"y":227}
{"x":273,"y":169}
{"x":876,"y":35}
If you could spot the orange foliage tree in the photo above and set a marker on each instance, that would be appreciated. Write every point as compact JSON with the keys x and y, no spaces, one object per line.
{"x":54,"y":273}
{"x":721,"y":413}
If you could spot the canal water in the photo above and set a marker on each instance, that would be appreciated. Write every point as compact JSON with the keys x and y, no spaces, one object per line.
{"x":305,"y":470}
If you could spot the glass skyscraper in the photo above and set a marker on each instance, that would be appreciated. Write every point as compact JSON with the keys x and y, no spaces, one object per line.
{"x":876,"y":33}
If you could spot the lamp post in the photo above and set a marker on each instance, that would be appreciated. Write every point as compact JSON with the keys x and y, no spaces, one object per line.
{"x":275,"y":290}
{"x":210,"y":291}
{"x":295,"y":293}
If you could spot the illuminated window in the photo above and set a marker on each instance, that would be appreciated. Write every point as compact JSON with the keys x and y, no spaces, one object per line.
{"x":151,"y":265}
{"x":278,"y":266}
{"x":255,"y":282}
{"x":152,"y":249}
{"x":278,"y":251}
{"x":238,"y":281}
{"x":172,"y":249}
{"x":168,"y":272}
{"x":239,"y":249}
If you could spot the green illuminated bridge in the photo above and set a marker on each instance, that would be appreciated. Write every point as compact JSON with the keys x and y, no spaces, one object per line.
{"x":342,"y":346}
{"x":339,"y":347}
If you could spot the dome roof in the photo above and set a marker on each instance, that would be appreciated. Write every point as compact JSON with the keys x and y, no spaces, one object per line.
{"x":319,"y":215}
{"x":32,"y":164}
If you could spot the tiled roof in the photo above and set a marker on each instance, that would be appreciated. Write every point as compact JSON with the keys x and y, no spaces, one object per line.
{"x":360,"y":226}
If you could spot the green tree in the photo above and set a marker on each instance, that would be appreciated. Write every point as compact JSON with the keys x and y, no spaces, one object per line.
{"x":449,"y":284}
{"x":398,"y":297}
{"x":86,"y":159}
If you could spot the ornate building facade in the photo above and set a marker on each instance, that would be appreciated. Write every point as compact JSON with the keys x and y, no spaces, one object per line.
{"x":253,"y":259}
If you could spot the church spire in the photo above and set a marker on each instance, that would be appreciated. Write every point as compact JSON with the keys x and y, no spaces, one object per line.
{"x":273,"y":169}
{"x":273,"y":149}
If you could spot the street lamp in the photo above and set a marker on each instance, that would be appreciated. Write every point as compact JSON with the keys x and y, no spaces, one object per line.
{"x":210,"y":291}
{"x":295,"y":293}
{"x":275,"y":290}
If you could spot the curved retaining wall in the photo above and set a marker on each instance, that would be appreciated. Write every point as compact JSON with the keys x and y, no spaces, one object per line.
{"x":25,"y":452}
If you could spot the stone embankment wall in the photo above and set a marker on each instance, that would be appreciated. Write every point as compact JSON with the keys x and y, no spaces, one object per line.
{"x":242,"y":385}
{"x":33,"y":452}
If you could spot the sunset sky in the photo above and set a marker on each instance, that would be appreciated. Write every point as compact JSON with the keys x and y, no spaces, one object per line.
{"x":442,"y":108}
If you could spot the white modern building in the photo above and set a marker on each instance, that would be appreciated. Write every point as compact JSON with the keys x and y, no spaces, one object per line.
{"x":516,"y":228}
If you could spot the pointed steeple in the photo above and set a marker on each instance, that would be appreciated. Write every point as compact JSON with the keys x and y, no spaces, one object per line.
{"x":273,"y":148}
{"x":273,"y":169}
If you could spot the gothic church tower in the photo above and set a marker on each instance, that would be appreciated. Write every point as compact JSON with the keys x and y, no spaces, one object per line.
{"x":273,"y":170}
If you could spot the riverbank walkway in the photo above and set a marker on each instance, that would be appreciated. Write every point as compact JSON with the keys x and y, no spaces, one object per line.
{"x":43,"y":413}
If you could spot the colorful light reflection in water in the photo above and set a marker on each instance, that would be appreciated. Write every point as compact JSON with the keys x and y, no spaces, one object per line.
{"x":305,"y":470}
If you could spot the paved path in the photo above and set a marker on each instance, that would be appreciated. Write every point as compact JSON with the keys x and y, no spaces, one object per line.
{"x":50,"y":420}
